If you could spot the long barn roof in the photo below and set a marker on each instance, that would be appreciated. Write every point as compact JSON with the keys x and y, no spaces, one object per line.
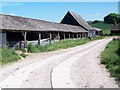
{"x":9,"y":22}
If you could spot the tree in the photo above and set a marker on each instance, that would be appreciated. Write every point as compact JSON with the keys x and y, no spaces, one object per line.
{"x":112,"y":18}
{"x":96,"y":21}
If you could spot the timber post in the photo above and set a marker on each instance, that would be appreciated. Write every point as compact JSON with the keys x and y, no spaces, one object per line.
{"x":69,"y":35}
{"x":64,"y":35}
{"x":82,"y":35}
{"x":25,"y":39}
{"x":77,"y":35}
{"x":39,"y":38}
{"x":73,"y":35}
{"x":58,"y":36}
{"x":50,"y":37}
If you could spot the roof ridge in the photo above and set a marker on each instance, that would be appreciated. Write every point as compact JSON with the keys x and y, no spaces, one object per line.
{"x":28,"y":18}
{"x":75,"y":16}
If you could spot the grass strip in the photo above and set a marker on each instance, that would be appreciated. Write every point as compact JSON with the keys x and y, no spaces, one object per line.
{"x":111,"y":58}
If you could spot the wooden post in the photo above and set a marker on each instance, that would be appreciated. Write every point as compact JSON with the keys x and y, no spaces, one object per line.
{"x":50,"y":37}
{"x":20,"y":44}
{"x":39,"y":38}
{"x":85,"y":35}
{"x":80,"y":35}
{"x":25,"y":39}
{"x":73,"y":35}
{"x":64,"y":35}
{"x":77,"y":35}
{"x":58,"y":36}
{"x":69,"y":35}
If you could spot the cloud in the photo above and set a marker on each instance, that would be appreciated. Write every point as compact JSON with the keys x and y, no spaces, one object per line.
{"x":95,"y":15}
{"x":9,"y":4}
{"x":12,"y":14}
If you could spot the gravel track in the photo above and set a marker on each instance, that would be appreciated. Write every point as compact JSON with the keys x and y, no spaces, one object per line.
{"x":77,"y":67}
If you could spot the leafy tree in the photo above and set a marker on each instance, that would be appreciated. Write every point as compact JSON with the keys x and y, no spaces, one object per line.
{"x":112,"y":18}
{"x":96,"y":21}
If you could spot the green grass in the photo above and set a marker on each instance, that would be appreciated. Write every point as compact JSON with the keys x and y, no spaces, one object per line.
{"x":8,"y":55}
{"x":111,"y":58}
{"x":105,"y":27}
{"x":101,"y":25}
{"x":59,"y":45}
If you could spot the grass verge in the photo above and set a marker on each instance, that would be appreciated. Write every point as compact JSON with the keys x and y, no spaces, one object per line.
{"x":111,"y":58}
{"x":59,"y":45}
{"x":8,"y":55}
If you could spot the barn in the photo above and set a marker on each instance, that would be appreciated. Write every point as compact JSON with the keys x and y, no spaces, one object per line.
{"x":98,"y":31}
{"x":17,"y":31}
{"x":115,"y":29}
{"x":72,"y":18}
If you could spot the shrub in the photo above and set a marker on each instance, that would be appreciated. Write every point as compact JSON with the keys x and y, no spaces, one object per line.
{"x":106,"y":32}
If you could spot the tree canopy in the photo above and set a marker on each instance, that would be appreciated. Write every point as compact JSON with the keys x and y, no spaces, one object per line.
{"x":112,"y":18}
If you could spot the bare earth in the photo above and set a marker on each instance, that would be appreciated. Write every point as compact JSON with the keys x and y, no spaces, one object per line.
{"x":77,"y":67}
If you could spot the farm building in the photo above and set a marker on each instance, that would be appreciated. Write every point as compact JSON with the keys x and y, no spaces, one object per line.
{"x":72,"y":18}
{"x":115,"y":29}
{"x":98,"y":31}
{"x":17,"y":31}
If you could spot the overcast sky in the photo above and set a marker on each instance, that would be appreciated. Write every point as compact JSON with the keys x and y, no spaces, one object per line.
{"x":55,"y":11}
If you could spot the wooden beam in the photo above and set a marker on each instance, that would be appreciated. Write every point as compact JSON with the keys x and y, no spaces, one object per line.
{"x":39,"y":38}
{"x":25,"y":39}
{"x":50,"y":37}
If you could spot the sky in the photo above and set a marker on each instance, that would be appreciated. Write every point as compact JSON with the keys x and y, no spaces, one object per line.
{"x":55,"y":11}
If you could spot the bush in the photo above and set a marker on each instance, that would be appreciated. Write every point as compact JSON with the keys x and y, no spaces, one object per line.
{"x":106,"y":32}
{"x":8,"y":55}
{"x":110,"y":57}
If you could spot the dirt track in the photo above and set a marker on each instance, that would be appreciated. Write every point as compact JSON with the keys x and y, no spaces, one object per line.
{"x":77,"y":67}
